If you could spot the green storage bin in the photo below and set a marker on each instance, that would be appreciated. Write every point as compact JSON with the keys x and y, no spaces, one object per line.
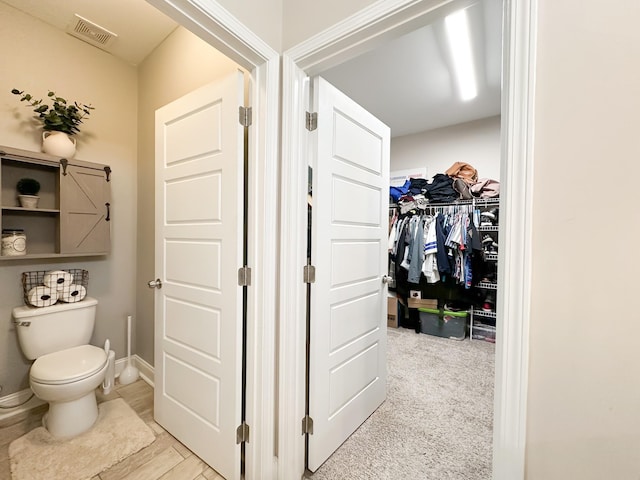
{"x":444,"y":323}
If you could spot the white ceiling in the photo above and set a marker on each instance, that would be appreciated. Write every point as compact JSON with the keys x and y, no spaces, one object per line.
{"x":139,"y":27}
{"x":407,"y":83}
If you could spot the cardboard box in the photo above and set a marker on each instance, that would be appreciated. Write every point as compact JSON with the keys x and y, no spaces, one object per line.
{"x":423,"y":303}
{"x":392,"y":312}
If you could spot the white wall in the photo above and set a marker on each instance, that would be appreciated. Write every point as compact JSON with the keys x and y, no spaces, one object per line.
{"x":477,"y":143}
{"x":182,"y":63}
{"x":263,"y":17}
{"x":35,"y":57}
{"x":304,"y":18}
{"x":583,"y":419}
{"x":584,"y":381}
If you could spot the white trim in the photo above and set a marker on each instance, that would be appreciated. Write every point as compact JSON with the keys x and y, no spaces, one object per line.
{"x":263,"y":260}
{"x":145,"y":369}
{"x":516,"y":190}
{"x":293,"y":291}
{"x":213,"y":23}
{"x":386,"y":19}
{"x":368,"y":28}
{"x":15,"y":399}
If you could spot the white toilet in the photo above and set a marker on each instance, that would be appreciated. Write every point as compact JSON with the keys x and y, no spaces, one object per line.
{"x":67,"y":370}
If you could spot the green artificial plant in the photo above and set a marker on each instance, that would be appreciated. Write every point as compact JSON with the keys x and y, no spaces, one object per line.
{"x":28,"y":186}
{"x":60,"y":116}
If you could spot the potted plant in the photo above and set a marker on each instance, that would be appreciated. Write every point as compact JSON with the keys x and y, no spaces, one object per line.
{"x":60,"y":121}
{"x":28,"y":189}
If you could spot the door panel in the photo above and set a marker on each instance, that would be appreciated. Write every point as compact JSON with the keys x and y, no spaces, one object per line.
{"x":347,"y":351}
{"x":84,"y":213}
{"x":199,"y":222}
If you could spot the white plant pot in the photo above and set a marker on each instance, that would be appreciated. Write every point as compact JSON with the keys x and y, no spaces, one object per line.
{"x":28,"y":201}
{"x":59,"y":144}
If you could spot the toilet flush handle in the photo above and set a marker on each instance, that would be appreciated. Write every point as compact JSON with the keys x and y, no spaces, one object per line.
{"x":155,"y":283}
{"x":21,"y":324}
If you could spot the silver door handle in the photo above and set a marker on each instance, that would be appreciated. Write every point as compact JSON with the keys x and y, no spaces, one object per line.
{"x":155,"y":283}
{"x":387,"y":279}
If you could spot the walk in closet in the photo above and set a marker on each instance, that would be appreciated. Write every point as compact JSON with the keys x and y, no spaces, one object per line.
{"x":443,"y":259}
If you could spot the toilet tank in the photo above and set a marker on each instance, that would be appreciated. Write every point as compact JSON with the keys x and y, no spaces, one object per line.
{"x":54,"y":328}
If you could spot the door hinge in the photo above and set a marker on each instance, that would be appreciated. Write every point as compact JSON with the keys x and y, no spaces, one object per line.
{"x":107,"y":171}
{"x":242,"y":433}
{"x":309,"y":274}
{"x":64,"y":163}
{"x":244,"y":276}
{"x":245,"y":116}
{"x":311,"y":121}
{"x":307,"y":425}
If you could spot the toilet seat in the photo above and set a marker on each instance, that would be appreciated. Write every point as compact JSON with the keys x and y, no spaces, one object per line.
{"x":67,"y":366}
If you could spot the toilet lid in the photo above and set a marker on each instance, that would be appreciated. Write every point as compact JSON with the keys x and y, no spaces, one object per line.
{"x":68,"y":365}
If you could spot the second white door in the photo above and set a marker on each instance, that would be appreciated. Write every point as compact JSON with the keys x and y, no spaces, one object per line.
{"x":348,"y":322}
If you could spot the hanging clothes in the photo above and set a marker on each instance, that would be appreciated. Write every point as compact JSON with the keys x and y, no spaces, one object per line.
{"x":443,"y":246}
{"x":430,"y":264}
{"x":417,"y":251}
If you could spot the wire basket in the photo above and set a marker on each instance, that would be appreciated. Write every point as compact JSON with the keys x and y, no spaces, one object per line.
{"x":44,"y":288}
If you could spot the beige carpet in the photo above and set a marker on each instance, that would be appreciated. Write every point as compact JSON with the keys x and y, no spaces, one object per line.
{"x":437,"y":421}
{"x":118,"y":433}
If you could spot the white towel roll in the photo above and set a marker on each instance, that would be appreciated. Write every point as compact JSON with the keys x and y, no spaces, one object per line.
{"x":73,"y":293}
{"x":42,"y":296}
{"x":57,"y":279}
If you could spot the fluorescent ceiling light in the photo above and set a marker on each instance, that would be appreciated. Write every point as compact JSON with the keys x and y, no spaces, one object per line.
{"x":457,"y":28}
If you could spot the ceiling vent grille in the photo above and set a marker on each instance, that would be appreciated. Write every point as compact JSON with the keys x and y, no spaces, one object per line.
{"x":91,"y":33}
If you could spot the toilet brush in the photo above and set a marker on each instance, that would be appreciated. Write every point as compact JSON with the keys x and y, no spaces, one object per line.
{"x":130,"y":373}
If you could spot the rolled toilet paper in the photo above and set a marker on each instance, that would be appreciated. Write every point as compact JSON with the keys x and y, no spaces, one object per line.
{"x":57,"y":279}
{"x":42,"y":296}
{"x":73,"y":293}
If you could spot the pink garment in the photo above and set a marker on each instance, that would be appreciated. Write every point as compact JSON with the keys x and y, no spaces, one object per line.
{"x":486,"y":188}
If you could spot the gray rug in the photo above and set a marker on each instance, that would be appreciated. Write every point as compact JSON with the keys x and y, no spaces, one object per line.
{"x":117,"y":433}
{"x":437,"y":420}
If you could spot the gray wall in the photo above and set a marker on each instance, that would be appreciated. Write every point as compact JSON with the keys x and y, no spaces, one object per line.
{"x":36,"y":58}
{"x":477,"y":143}
{"x":179,"y":65}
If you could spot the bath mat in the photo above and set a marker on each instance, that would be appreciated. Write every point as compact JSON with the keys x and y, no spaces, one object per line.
{"x":117,"y":433}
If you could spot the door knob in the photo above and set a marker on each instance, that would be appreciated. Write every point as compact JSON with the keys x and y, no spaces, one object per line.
{"x":155,"y":283}
{"x":387,"y":279}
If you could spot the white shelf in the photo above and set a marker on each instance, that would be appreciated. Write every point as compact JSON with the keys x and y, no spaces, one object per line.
{"x":483,"y":313}
{"x":487,"y":285}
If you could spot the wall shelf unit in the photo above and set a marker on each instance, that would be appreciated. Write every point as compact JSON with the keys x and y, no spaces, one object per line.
{"x":73,"y":214}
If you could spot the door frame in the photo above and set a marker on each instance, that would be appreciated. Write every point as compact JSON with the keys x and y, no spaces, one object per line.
{"x":372,"y":26}
{"x":215,"y":25}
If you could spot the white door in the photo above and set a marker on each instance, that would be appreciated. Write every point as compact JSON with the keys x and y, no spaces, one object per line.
{"x":348,"y":325}
{"x":198,"y":309}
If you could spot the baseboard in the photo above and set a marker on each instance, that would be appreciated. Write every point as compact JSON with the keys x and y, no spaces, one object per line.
{"x":15,"y":399}
{"x":146,"y":370}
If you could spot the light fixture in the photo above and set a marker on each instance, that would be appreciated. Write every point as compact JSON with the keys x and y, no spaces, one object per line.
{"x":457,"y":28}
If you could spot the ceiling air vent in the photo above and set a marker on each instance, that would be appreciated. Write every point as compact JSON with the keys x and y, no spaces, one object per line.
{"x":91,"y":33}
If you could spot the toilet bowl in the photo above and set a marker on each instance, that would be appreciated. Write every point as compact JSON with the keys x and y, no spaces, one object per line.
{"x":67,"y":380}
{"x":66,"y":368}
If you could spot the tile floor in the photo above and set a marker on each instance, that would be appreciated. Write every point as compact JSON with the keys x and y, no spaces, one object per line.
{"x":165,"y":459}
